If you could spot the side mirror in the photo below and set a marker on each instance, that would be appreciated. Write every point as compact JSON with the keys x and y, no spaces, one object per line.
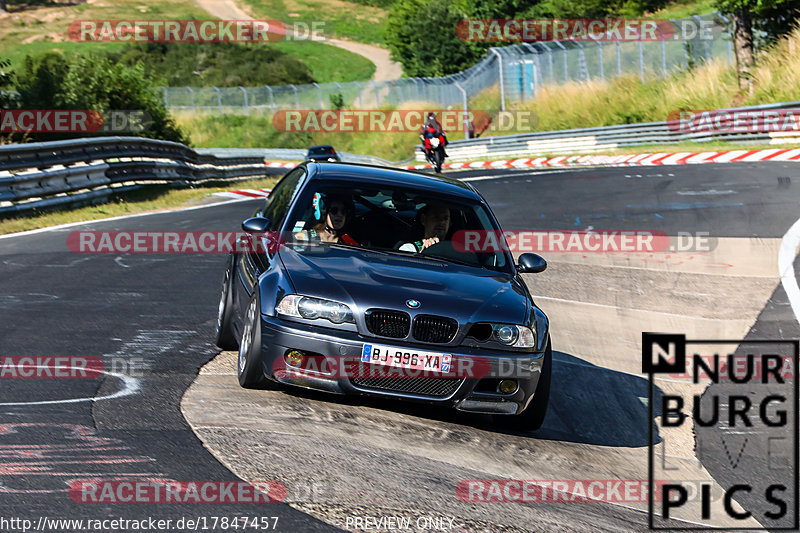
{"x":256,"y":225}
{"x":531,"y":264}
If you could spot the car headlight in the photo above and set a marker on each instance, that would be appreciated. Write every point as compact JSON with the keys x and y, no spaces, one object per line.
{"x":332,"y":159}
{"x":298,"y":306}
{"x":514,"y":335}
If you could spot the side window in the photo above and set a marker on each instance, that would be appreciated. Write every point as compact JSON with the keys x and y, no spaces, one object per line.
{"x":281,"y":197}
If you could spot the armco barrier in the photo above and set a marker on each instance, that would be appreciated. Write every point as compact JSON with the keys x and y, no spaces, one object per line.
{"x":630,"y":160}
{"x":610,"y":138}
{"x":79,"y":171}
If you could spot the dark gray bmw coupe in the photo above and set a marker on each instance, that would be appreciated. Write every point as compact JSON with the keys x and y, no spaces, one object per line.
{"x":356,"y":279}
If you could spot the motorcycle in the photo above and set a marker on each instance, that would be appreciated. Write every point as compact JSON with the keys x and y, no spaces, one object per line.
{"x":434,"y":149}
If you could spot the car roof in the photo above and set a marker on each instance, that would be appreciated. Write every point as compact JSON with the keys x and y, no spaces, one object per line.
{"x":380,"y":176}
{"x":320,"y":146}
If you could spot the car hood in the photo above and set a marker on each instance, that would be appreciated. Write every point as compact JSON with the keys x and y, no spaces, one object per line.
{"x":364,"y":280}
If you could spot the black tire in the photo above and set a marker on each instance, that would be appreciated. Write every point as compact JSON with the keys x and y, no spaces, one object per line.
{"x":248,"y":364}
{"x":226,"y":339}
{"x":438,"y":156}
{"x":532,"y":418}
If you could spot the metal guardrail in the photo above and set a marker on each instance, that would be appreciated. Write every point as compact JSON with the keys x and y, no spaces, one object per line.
{"x":80,"y":171}
{"x":294,"y":154}
{"x":612,"y":138}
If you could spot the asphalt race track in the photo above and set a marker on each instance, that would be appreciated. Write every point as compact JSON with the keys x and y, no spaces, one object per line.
{"x":340,"y":459}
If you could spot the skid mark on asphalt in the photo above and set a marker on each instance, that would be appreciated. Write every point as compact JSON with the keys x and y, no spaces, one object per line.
{"x":73,"y":452}
{"x":150,"y":344}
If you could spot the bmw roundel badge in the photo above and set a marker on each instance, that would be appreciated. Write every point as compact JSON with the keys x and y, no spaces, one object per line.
{"x":413,"y":304}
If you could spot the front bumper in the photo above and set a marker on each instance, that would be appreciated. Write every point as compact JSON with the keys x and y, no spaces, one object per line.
{"x":471,"y":386}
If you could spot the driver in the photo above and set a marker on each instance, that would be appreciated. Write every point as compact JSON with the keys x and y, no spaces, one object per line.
{"x":332,"y":212}
{"x":435,"y":220}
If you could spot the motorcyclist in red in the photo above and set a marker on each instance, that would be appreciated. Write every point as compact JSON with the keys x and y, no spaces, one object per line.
{"x":432,"y":128}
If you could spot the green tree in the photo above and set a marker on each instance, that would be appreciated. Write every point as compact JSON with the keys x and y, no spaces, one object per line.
{"x":39,"y":79}
{"x":93,"y":82}
{"x":774,"y":17}
{"x":421,"y":35}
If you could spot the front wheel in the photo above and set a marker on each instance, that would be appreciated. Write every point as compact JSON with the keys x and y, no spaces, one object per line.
{"x":225,"y":337}
{"x":248,"y":367}
{"x":532,"y":418}
{"x":438,"y":156}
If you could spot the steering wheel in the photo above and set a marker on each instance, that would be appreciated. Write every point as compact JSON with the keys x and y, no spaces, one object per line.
{"x":446,"y":250}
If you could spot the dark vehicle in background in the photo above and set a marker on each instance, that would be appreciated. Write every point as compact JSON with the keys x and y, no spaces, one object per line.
{"x":323,"y":153}
{"x":358,"y":315}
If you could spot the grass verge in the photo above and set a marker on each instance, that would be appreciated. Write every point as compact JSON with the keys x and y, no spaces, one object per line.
{"x":150,"y":198}
{"x":328,"y":63}
{"x":685,"y":8}
{"x":350,"y":20}
{"x":35,"y":29}
{"x":627,"y":100}
{"x":250,"y":131}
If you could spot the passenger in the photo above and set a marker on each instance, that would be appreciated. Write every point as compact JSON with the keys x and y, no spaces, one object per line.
{"x":332,"y":212}
{"x":435,"y":221}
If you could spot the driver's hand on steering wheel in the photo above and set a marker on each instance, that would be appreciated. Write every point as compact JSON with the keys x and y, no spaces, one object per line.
{"x":429,"y":242}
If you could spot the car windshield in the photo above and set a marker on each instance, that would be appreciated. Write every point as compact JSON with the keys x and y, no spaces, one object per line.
{"x":321,"y":150}
{"x":399,"y":221}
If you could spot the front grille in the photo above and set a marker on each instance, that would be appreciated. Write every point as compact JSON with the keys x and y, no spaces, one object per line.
{"x":387,"y":323}
{"x":433,"y":387}
{"x":430,"y":328}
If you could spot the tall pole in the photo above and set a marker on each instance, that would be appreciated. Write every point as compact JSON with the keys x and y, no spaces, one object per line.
{"x":502,"y":82}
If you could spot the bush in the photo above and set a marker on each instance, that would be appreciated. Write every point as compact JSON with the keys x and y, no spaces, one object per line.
{"x":337,"y":100}
{"x":92,"y":82}
{"x":214,"y":64}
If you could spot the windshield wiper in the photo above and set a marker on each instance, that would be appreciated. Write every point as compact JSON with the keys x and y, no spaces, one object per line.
{"x":356,"y":247}
{"x":448,"y":260}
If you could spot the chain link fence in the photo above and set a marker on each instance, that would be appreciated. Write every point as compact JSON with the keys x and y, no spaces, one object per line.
{"x":517,"y":70}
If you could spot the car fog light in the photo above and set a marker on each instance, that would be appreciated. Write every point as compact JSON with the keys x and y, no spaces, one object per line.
{"x":507,"y":386}
{"x":294,"y":358}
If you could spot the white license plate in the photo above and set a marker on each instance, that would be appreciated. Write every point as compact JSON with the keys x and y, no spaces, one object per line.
{"x":405,"y":358}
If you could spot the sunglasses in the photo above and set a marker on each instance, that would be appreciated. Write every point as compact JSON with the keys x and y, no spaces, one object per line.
{"x":337,"y":210}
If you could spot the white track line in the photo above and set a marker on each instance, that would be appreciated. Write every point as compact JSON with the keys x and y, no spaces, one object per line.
{"x":631,"y":309}
{"x":131,"y":386}
{"x":73,"y":224}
